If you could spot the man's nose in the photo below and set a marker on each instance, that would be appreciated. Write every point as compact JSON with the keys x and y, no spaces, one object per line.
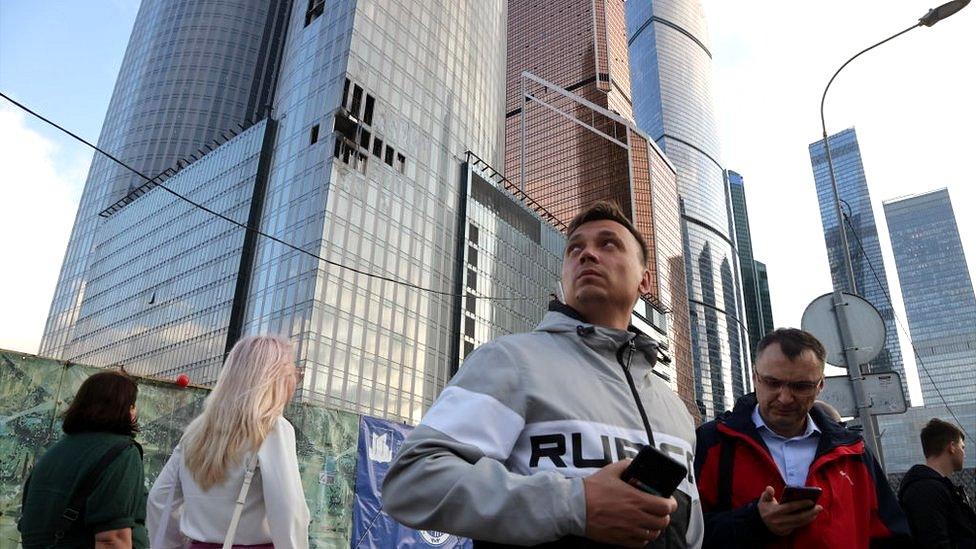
{"x":587,"y":254}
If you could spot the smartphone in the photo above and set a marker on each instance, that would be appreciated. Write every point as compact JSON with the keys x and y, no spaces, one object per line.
{"x":654,"y":472}
{"x":798,"y":493}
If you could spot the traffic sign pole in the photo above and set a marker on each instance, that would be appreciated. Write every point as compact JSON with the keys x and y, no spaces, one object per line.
{"x":857,"y":377}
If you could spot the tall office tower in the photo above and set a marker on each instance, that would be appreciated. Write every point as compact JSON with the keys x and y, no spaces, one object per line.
{"x":938,"y":294}
{"x":762,"y":278}
{"x":870,"y":277}
{"x":671,"y":74}
{"x":752,"y":292}
{"x":358,"y":161}
{"x":191,"y":71}
{"x":571,"y":140}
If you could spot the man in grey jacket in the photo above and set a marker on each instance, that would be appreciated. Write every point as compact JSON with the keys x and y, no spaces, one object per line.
{"x":527,"y":443}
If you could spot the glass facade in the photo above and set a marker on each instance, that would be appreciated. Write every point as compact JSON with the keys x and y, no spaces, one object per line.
{"x":163,"y":273}
{"x":938,"y":294}
{"x":762,"y":279}
{"x":755,"y":294}
{"x":192,"y":70}
{"x":571,"y":140}
{"x":398,"y":90}
{"x":374,"y":103}
{"x":670,"y":67}
{"x":870,"y":276}
{"x":900,"y":433}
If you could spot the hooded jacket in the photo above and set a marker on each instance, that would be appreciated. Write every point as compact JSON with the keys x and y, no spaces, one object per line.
{"x":939,"y":513}
{"x":859,"y":507}
{"x":501,"y":455}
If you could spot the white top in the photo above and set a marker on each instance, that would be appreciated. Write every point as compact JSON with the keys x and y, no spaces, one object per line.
{"x":274,"y":510}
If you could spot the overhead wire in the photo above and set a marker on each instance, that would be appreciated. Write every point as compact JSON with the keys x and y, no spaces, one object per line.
{"x":158,"y":183}
{"x":907,"y":334}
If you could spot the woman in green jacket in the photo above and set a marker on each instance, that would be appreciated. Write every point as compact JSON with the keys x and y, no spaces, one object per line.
{"x":94,"y":473}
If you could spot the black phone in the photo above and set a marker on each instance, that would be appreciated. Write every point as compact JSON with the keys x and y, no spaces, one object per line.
{"x":798,"y":493}
{"x":654,"y":472}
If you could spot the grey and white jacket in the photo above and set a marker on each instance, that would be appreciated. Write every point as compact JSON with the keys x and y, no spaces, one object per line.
{"x":501,"y":454}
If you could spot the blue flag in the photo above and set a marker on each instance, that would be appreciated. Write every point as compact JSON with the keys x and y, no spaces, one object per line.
{"x":379,"y":441}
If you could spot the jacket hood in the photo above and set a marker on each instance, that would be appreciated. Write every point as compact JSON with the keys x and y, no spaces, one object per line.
{"x":917,"y":473}
{"x":562,"y":318}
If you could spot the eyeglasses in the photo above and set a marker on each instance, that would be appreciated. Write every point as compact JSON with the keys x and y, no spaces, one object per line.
{"x":798,"y":388}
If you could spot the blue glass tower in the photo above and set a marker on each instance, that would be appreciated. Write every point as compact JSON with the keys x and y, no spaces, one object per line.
{"x":938,"y":294}
{"x":670,"y":66}
{"x":870,"y":276}
{"x":755,"y":291}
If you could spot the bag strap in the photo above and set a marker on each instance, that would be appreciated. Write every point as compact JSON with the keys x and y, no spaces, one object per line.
{"x":248,"y":476}
{"x":76,"y":505}
{"x":726,"y":464}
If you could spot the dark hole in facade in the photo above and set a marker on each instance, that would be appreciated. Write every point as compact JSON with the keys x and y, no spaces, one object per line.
{"x":368,"y":110}
{"x":314,"y":10}
{"x":357,"y":100}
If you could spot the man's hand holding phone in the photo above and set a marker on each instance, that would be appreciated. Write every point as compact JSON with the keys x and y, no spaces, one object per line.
{"x":620,"y":514}
{"x":783,"y":518}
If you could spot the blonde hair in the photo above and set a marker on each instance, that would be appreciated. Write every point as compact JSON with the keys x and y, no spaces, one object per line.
{"x":250,"y":395}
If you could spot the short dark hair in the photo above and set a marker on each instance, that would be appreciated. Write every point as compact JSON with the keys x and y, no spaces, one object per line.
{"x":792,"y":342}
{"x":103,"y":404}
{"x":936,"y":436}
{"x":604,"y":209}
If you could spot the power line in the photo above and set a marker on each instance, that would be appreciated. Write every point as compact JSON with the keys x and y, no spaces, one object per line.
{"x":159,"y":184}
{"x":918,"y":357}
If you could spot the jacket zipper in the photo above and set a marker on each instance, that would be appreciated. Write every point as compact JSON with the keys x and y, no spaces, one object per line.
{"x":633,"y":388}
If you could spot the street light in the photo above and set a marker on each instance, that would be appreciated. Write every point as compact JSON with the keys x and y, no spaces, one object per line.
{"x":853,"y":369}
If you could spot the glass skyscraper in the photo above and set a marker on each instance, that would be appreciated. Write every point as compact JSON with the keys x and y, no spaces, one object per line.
{"x":870,"y":276}
{"x":351,"y":122}
{"x":670,"y":68}
{"x":938,"y":294}
{"x":191,"y":71}
{"x":571,"y":140}
{"x":755,"y":290}
{"x":762,"y":279}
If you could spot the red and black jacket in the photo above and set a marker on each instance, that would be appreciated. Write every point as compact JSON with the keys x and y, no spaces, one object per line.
{"x":859,"y":507}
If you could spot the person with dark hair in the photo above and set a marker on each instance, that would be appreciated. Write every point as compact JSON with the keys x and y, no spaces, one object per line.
{"x":776,"y":438}
{"x":528,"y":443}
{"x":939,"y":512}
{"x":88,"y":490}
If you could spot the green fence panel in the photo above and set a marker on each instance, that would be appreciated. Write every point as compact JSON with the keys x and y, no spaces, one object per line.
{"x":35,"y":391}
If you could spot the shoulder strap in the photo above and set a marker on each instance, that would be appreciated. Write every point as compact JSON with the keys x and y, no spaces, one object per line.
{"x":239,"y":507}
{"x":726,"y":465}
{"x":76,"y":505}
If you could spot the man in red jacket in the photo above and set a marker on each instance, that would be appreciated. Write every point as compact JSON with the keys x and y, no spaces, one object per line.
{"x":775,"y":438}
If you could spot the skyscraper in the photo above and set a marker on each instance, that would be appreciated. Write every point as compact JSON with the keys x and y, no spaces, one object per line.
{"x":755,"y":291}
{"x":762,"y":278}
{"x":191,"y":71}
{"x":870,"y":276}
{"x":938,"y":294}
{"x":571,"y":140}
{"x":356,"y":158}
{"x":670,"y":66}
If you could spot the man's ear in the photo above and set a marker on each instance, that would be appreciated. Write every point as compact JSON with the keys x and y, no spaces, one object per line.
{"x":646,"y":283}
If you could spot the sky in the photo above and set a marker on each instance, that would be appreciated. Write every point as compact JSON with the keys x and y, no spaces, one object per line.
{"x":910,"y":101}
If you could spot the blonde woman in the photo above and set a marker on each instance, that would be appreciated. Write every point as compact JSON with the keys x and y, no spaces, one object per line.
{"x":241,"y":424}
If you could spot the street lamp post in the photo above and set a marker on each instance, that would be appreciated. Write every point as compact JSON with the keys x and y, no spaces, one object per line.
{"x":853,"y":368}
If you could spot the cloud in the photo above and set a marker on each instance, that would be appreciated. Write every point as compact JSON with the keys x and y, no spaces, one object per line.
{"x":42,"y":183}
